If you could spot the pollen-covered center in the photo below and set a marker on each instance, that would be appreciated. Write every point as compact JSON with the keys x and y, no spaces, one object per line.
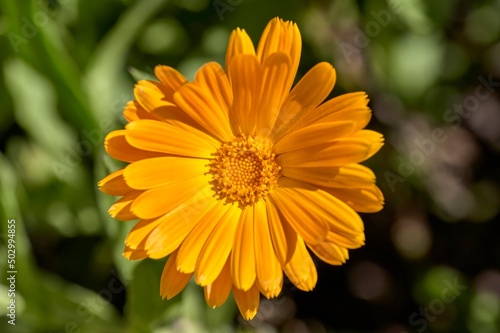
{"x":244,"y":169}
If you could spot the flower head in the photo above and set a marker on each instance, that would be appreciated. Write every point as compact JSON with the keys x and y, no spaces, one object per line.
{"x":236,"y":175}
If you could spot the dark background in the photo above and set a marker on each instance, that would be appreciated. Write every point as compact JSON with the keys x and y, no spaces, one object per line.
{"x":432,"y":256}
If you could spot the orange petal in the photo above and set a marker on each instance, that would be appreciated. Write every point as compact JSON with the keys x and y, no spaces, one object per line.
{"x":359,"y":117}
{"x":338,"y":108}
{"x":239,"y":43}
{"x":301,"y":269}
{"x":137,"y":236}
{"x":269,"y":273}
{"x":366,"y":199}
{"x":133,"y":111}
{"x":161,"y":200}
{"x":134,"y":254}
{"x":274,"y":87}
{"x":279,"y":36}
{"x":191,"y":247}
{"x":243,"y":254}
{"x":247,"y":301}
{"x":114,"y":184}
{"x":309,"y":92}
{"x":213,"y":77}
{"x":330,"y":253}
{"x":312,"y":135}
{"x":283,"y":236}
{"x":375,"y":139}
{"x":331,"y":154}
{"x":205,"y":102}
{"x":161,"y":171}
{"x":122,"y":209}
{"x":244,"y":78}
{"x":218,"y":291}
{"x":320,"y":205}
{"x":164,"y":138}
{"x":177,"y":224}
{"x":117,"y":147}
{"x":349,"y":242}
{"x":171,"y":80}
{"x":149,"y":95}
{"x":172,"y":281}
{"x":217,"y":247}
{"x":351,"y":175}
{"x":304,"y":209}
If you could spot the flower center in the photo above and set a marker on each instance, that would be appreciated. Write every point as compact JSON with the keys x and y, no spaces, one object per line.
{"x":244,"y":169}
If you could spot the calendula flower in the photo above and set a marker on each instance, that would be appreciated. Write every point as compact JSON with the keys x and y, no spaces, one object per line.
{"x":237,"y":176}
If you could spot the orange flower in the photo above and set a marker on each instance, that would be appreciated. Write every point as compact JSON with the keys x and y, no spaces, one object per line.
{"x":236,"y":175}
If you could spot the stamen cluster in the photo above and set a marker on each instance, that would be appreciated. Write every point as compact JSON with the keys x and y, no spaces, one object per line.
{"x":244,"y":169}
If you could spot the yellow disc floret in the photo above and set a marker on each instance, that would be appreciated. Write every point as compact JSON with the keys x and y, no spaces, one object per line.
{"x":244,"y":169}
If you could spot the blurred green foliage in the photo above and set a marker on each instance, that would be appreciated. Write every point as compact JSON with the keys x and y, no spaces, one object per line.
{"x":68,"y":67}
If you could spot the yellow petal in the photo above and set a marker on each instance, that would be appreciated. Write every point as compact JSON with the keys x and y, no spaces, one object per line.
{"x":269,"y":273}
{"x":177,"y":224}
{"x":149,"y":95}
{"x":312,"y":135}
{"x":351,"y":175}
{"x":172,"y":281}
{"x":243,"y":254}
{"x":213,"y":77}
{"x":133,"y":111}
{"x":375,"y":139}
{"x":244,"y":78}
{"x":331,"y":154}
{"x":161,"y":137}
{"x":161,"y":200}
{"x":239,"y":43}
{"x":205,"y":103}
{"x":170,"y":79}
{"x":330,"y":253}
{"x":217,"y":247}
{"x":114,"y":184}
{"x":274,"y":87}
{"x":320,"y":206}
{"x":301,"y":269}
{"x":359,"y":117}
{"x":279,"y":36}
{"x":366,"y":199}
{"x":218,"y":291}
{"x":191,"y":247}
{"x":161,"y":171}
{"x":305,"y":209}
{"x":137,"y":236}
{"x":283,"y":236}
{"x":338,"y":108}
{"x":122,"y":209}
{"x":130,"y":112}
{"x":117,"y":147}
{"x":134,"y":254}
{"x":152,"y":99}
{"x":351,"y":242}
{"x":309,"y":92}
{"x":247,"y":301}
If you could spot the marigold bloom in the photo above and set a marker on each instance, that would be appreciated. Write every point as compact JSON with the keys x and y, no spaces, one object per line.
{"x":236,"y":175}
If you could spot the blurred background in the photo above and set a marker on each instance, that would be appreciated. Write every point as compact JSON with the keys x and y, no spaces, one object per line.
{"x":431,"y":262}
